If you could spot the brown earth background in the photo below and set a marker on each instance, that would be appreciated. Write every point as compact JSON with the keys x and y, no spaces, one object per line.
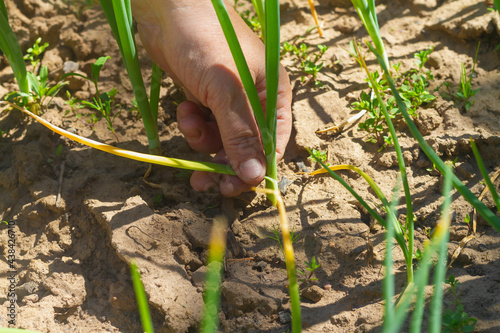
{"x":82,"y":215}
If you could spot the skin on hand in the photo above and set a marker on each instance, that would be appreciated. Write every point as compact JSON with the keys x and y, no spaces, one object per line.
{"x":185,"y":39}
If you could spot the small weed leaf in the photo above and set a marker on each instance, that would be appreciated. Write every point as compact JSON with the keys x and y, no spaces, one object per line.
{"x":458,"y":320}
{"x":33,"y":53}
{"x":308,"y":63}
{"x":313,"y":265}
{"x":321,"y":155}
{"x":102,"y":101}
{"x":96,"y":68}
{"x":413,"y":89}
{"x":463,"y":96}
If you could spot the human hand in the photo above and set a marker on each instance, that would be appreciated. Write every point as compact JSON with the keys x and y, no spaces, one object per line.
{"x":185,"y":39}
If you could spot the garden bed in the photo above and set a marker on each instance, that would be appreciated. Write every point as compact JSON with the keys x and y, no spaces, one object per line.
{"x":81,"y":215}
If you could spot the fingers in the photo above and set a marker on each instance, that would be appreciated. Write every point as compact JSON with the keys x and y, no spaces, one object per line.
{"x":199,"y":127}
{"x":284,"y":110}
{"x":197,"y":57}
{"x":237,"y":126}
{"x":227,"y":185}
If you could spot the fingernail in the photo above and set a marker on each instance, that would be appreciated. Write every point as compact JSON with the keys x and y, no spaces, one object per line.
{"x":193,"y":136}
{"x":251,"y":169}
{"x":190,"y":132}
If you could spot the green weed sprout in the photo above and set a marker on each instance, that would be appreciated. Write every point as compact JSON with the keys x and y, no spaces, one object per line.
{"x":308,"y":63}
{"x":413,"y":86}
{"x":399,"y":154}
{"x":276,"y":237}
{"x":465,"y":91}
{"x":33,"y":53}
{"x":38,"y":89}
{"x":311,"y":267}
{"x":255,"y":21}
{"x":458,"y":320}
{"x":102,"y":101}
{"x":142,"y":300}
{"x":488,"y":215}
{"x":464,"y":94}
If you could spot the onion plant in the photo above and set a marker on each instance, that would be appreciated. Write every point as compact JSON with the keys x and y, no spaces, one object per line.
{"x":119,"y":16}
{"x":399,"y":154}
{"x":142,"y":300}
{"x":267,"y":123}
{"x":366,"y":11}
{"x":213,"y":279}
{"x":118,"y":13}
{"x":396,"y":315}
{"x":10,"y":47}
{"x":481,"y":208}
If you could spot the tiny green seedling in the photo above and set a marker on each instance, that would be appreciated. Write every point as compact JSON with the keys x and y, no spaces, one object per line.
{"x":311,"y":267}
{"x":465,"y":91}
{"x":431,"y":169}
{"x":458,"y":320}
{"x":101,"y":101}
{"x":250,"y":17}
{"x":321,"y":155}
{"x":308,"y":63}
{"x":33,"y":53}
{"x":413,"y":90}
{"x":463,"y":96}
{"x":418,"y":255}
{"x":276,"y":236}
{"x":40,"y":92}
{"x":73,"y":104}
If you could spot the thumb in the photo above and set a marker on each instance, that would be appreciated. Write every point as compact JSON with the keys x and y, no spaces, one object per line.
{"x":238,"y":128}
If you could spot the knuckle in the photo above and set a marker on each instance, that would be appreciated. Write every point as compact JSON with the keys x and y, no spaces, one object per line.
{"x":243,"y":142}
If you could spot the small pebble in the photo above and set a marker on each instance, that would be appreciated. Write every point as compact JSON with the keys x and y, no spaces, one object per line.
{"x":482,"y":247}
{"x":260,"y":266}
{"x":313,"y":293}
{"x":285,"y":317}
{"x":350,"y":97}
{"x":327,"y":287}
{"x":302,"y":167}
{"x":283,"y":184}
{"x":70,"y":66}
